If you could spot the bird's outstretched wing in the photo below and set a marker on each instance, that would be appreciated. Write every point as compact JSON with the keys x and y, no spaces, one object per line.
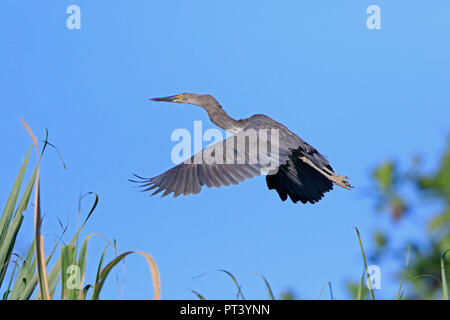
{"x":221,"y":164}
{"x":296,"y":169}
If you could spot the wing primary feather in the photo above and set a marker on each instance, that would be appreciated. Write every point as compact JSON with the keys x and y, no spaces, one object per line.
{"x":204,"y":173}
{"x":232,"y":170}
{"x":212,"y":175}
{"x":219,"y":176}
{"x":179,"y":189}
{"x":169,"y":184}
{"x":224,"y":169}
{"x":196,"y":185}
{"x":188,"y":185}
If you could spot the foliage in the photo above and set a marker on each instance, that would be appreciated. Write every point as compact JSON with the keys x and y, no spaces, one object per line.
{"x":28,"y":275}
{"x":423,"y":275}
{"x":405,"y":195}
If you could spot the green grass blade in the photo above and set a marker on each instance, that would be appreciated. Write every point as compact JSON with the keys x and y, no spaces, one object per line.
{"x":361,"y":287}
{"x":53,"y":275}
{"x":7,"y":248}
{"x":11,"y":235}
{"x":400,"y":291}
{"x":94,"y":205}
{"x":69,"y":275}
{"x":268,"y":288}
{"x":8,"y":229}
{"x":100,"y":264}
{"x":56,"y":269}
{"x":81,"y":263}
{"x":443,"y":276}
{"x":25,"y":277}
{"x":372,"y":295}
{"x":12,"y":199}
{"x":322,"y":290}
{"x":8,"y":289}
{"x":85,"y":291}
{"x":239,"y":293}
{"x":327,"y":284}
{"x":198,"y":295}
{"x":105,"y":272}
{"x":331,"y":290}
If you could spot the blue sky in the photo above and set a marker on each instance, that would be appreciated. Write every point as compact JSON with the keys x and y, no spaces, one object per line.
{"x":359,"y":96}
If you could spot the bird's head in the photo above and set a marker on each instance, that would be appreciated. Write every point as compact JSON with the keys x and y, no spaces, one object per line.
{"x":188,"y":98}
{"x":179,"y":98}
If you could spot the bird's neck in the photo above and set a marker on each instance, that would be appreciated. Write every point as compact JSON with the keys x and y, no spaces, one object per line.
{"x":221,"y":119}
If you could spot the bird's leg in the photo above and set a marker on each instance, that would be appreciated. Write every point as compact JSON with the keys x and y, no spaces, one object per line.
{"x":336,"y":178}
{"x":334,"y":174}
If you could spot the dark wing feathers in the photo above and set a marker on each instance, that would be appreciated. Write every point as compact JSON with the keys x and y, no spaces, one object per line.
{"x":294,"y":179}
{"x":299,"y":181}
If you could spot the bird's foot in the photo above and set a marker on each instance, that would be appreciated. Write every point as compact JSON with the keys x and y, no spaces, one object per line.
{"x":341,"y":181}
{"x":336,"y":178}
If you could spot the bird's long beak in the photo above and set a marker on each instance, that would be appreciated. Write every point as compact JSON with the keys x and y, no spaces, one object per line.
{"x":176,"y":98}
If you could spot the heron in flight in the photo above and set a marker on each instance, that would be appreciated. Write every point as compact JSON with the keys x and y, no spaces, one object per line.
{"x":301,"y":172}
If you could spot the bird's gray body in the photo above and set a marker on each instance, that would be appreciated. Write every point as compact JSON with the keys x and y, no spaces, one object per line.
{"x":302,"y":173}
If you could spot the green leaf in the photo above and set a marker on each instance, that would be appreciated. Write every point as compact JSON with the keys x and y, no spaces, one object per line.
{"x":385,"y":175}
